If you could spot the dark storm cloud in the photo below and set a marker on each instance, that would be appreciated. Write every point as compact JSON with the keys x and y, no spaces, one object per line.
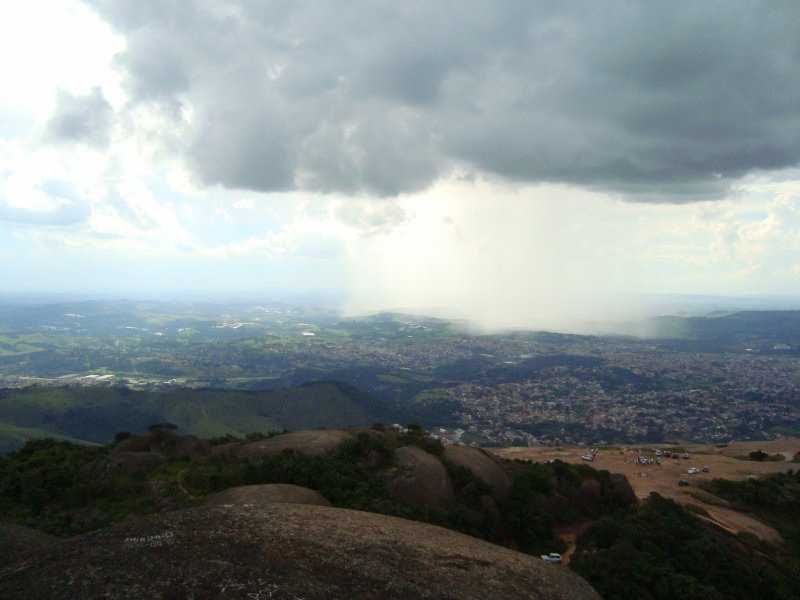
{"x":657,"y":101}
{"x":84,"y":119}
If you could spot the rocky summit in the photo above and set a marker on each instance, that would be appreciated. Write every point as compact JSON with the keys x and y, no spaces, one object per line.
{"x":282,"y":551}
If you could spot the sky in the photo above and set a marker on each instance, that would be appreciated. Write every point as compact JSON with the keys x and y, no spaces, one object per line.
{"x":515,"y":163}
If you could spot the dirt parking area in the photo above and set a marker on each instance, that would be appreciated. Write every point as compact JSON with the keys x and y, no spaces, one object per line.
{"x":652,"y":477}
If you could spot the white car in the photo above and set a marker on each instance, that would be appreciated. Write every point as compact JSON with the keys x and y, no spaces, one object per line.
{"x":553,"y":557}
{"x":693,"y":470}
{"x":588,"y":457}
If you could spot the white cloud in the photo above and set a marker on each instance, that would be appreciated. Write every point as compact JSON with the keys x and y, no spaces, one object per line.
{"x":398,"y":153}
{"x":245,"y":203}
{"x":46,"y":45}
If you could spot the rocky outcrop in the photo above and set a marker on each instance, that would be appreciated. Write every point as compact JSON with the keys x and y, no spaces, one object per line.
{"x":484,"y":466}
{"x":182,"y":445}
{"x":590,"y":492}
{"x":133,"y":443}
{"x":191,"y":445}
{"x":17,"y":542}
{"x":259,"y":495}
{"x":420,"y":480}
{"x":316,"y":442}
{"x":125,"y":463}
{"x":284,"y":551}
{"x":622,"y":487}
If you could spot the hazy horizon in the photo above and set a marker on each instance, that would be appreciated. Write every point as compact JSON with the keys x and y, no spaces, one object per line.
{"x":621,"y":320}
{"x":529,"y":165}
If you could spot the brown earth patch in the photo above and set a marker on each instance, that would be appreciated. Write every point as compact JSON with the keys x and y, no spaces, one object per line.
{"x":663,"y":479}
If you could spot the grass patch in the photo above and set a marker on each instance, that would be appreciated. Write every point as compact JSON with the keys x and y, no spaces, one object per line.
{"x":759,"y":456}
{"x":388,"y":378}
{"x":14,"y":436}
{"x":432,"y":394}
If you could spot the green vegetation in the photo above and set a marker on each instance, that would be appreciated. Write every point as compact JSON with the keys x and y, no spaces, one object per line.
{"x":654,"y":549}
{"x":775,"y":498}
{"x":95,"y":413}
{"x":658,"y":550}
{"x":66,"y":489}
{"x":760,"y":456}
{"x":389,"y":378}
{"x":546,"y":495}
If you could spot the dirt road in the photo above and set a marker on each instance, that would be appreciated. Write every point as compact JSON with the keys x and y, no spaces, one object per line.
{"x":646,"y":478}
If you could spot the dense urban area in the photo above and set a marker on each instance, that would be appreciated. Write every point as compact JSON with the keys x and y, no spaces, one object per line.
{"x":730,"y":377}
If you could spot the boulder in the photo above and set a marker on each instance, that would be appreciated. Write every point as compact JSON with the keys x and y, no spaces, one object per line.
{"x":420,"y":480}
{"x":125,"y":463}
{"x":226,"y":450}
{"x":134,"y":443}
{"x":318,"y":442}
{"x":258,"y":495}
{"x":484,"y":466}
{"x":622,"y":487}
{"x":590,"y":491}
{"x":191,"y":445}
{"x":17,"y":542}
{"x":284,"y":551}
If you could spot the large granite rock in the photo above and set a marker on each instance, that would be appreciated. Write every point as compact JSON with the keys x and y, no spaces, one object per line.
{"x":283,"y":551}
{"x":259,"y":495}
{"x":17,"y":542}
{"x":420,"y":480}
{"x":125,"y":463}
{"x":623,"y":488}
{"x":484,"y":466}
{"x":318,"y":442}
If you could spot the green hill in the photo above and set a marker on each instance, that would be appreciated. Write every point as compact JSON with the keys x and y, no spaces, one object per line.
{"x":95,"y":414}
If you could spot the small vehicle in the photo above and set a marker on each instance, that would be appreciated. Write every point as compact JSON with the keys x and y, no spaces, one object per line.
{"x":693,"y":471}
{"x":683,"y":482}
{"x":553,"y":557}
{"x":588,"y":457}
{"x":685,"y":456}
{"x":705,"y":468}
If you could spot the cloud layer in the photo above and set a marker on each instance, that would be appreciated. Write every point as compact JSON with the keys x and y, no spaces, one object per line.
{"x":649,"y":100}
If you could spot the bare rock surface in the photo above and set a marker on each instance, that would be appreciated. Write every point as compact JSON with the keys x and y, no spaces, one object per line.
{"x":484,"y":466}
{"x":258,"y":495}
{"x":318,"y":442}
{"x":284,"y":551}
{"x":622,"y":486}
{"x":420,"y":480}
{"x":191,"y":445}
{"x":134,"y":443}
{"x":590,"y":491}
{"x":17,"y":542}
{"x":125,"y":463}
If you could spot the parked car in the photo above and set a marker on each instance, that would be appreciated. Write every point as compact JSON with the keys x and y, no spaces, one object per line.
{"x":685,"y":456}
{"x":683,"y":482}
{"x":705,"y":468}
{"x":693,"y":470}
{"x":553,"y":557}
